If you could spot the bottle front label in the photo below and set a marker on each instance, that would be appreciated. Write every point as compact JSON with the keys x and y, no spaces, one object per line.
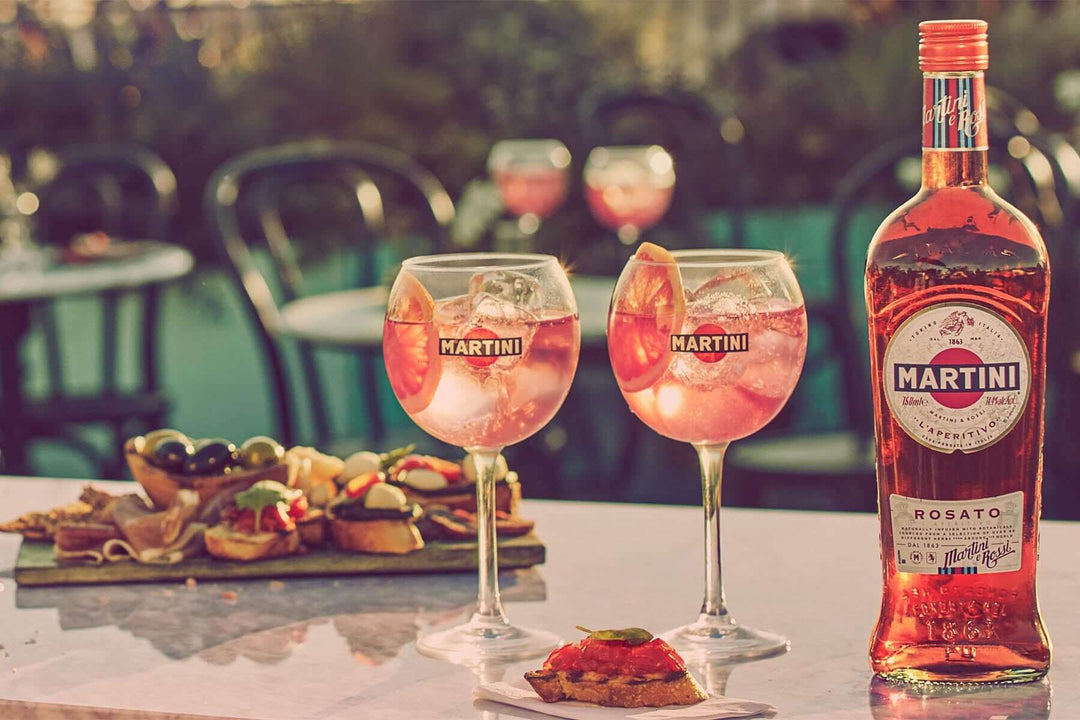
{"x":956,"y":377}
{"x":958,"y":537}
{"x":954,"y":112}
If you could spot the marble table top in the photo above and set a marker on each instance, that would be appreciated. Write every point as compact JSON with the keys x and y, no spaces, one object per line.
{"x":335,"y":648}
{"x":354,"y":318}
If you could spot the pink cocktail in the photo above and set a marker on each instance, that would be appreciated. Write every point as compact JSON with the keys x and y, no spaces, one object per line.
{"x":492,"y":402}
{"x":638,"y":206}
{"x":480,"y":350}
{"x":707,"y":346}
{"x":539,"y":191}
{"x":693,"y":400}
{"x":629,"y":188}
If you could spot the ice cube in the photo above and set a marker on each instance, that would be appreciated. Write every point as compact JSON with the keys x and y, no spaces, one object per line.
{"x":461,"y":399}
{"x":461,"y":316}
{"x":689,"y":369}
{"x":488,"y":309}
{"x":505,"y":319}
{"x":729,"y":294}
{"x":454,"y":311}
{"x":520,"y":289}
{"x":535,"y":385}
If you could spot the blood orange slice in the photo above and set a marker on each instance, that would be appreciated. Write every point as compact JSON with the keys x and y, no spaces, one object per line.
{"x":411,"y":344}
{"x":648,"y":307}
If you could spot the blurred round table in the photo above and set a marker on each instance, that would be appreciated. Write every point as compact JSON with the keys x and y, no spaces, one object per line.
{"x":354,"y":318}
{"x":22,"y":285}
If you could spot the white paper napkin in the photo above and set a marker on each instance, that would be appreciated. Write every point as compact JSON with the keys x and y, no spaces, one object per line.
{"x":715,"y":708}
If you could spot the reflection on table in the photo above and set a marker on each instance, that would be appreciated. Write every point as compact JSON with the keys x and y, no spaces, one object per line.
{"x":263,"y":621}
{"x":1024,"y":701}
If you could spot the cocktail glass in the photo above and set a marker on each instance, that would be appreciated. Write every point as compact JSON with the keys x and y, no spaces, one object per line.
{"x":480,"y":350}
{"x":629,"y":188}
{"x":532,"y":177}
{"x":707,"y":346}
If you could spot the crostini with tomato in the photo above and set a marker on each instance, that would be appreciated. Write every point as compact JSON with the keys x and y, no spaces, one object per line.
{"x":260,"y":523}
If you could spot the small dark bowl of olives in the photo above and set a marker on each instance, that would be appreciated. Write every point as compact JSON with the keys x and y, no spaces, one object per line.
{"x":165,"y":461}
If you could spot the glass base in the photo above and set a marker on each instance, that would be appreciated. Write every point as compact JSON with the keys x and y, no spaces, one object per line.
{"x":482,"y":639}
{"x":721,"y":639}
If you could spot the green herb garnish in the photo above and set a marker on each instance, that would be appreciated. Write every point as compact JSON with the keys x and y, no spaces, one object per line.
{"x":261,"y":495}
{"x":631,"y":636}
{"x":389,"y":459}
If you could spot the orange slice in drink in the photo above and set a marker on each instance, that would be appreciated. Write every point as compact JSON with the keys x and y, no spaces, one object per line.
{"x":411,"y":344}
{"x":648,"y":307}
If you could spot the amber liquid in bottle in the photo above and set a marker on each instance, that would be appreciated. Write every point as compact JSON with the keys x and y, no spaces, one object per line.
{"x":957,"y":245}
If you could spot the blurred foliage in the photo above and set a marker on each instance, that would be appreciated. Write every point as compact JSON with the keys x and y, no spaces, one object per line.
{"x":815,"y":86}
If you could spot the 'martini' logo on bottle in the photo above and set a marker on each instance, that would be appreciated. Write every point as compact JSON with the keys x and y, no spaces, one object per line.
{"x":954,"y":112}
{"x":956,"y":377}
{"x":480,"y":347}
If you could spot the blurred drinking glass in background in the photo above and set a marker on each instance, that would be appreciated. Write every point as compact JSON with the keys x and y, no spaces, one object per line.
{"x":19,"y":254}
{"x":532,"y":177}
{"x":629,"y":188}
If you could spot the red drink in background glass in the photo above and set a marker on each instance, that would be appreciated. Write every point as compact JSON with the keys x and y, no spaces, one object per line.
{"x":629,"y":188}
{"x":637,"y":206}
{"x":539,"y":191}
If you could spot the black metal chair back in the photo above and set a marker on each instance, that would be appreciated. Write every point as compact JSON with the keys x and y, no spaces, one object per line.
{"x":129,"y":193}
{"x":686,"y":126}
{"x":266,"y":175}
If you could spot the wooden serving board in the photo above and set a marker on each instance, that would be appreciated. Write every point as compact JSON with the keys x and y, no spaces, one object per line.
{"x":37,"y":566}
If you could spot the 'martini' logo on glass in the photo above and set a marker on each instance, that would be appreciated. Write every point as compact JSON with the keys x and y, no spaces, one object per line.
{"x":480,"y":347}
{"x":710,"y":343}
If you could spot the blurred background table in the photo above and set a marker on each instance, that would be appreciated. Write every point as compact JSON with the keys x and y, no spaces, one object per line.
{"x":154,"y":263}
{"x":343,"y":647}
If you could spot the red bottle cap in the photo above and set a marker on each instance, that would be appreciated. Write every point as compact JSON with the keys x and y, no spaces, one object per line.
{"x":953,"y":46}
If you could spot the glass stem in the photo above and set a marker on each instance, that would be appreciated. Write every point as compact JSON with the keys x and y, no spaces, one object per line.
{"x":712,"y":470}
{"x":488,"y":605}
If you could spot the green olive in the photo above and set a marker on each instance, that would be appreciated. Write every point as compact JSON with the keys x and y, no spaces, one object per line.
{"x":156,"y":437}
{"x":261,"y":452}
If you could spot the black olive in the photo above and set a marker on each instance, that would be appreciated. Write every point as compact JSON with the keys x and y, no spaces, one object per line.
{"x":212,"y":457}
{"x":171,"y":455}
{"x":153,"y":438}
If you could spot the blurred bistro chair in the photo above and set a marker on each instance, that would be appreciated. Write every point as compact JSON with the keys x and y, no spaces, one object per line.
{"x":703,"y":145}
{"x":128,"y":193}
{"x":1054,"y":205}
{"x":836,"y":470}
{"x":251,"y":192}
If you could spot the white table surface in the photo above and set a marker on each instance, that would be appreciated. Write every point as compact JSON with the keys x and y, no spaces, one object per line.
{"x":159,"y":263}
{"x":354,"y":318}
{"x":343,"y":648}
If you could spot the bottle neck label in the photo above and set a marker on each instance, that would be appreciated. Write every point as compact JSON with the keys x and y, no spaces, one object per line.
{"x":954,"y":112}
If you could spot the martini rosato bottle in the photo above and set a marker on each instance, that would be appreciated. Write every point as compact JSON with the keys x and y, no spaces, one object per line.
{"x":957,"y":283}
